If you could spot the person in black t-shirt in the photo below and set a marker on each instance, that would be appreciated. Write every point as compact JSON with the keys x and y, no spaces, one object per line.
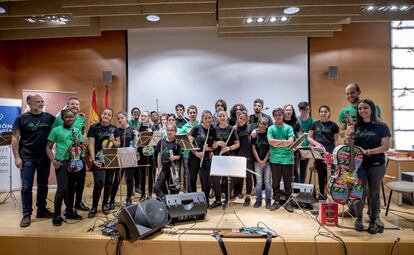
{"x":234,"y":112}
{"x":260,"y":149}
{"x":258,"y":107}
{"x":199,"y":161}
{"x":220,"y":105}
{"x":29,"y":140}
{"x":101,"y":136}
{"x":126,"y":138}
{"x":168,"y":156}
{"x":180,"y":121}
{"x":227,"y":141}
{"x":373,"y":137}
{"x":323,"y":133}
{"x":291,"y":119}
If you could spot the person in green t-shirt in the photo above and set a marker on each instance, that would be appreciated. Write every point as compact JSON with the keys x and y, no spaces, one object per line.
{"x":280,"y":136}
{"x":192,"y":121}
{"x":64,"y":136}
{"x":73,"y":104}
{"x":134,"y":122}
{"x":305,"y":121}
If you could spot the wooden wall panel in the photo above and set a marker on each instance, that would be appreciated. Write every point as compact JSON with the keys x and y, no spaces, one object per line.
{"x":72,"y":64}
{"x":362,"y":53}
{"x":6,"y":70}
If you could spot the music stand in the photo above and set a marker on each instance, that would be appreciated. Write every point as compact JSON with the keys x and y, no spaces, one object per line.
{"x":149,"y":138}
{"x":184,"y":142}
{"x":5,"y":140}
{"x":119,"y":158}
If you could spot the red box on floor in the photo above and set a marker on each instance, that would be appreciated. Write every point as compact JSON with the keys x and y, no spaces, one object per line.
{"x":328,"y":214}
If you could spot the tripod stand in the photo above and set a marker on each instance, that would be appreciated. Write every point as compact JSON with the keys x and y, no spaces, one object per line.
{"x":10,"y":194}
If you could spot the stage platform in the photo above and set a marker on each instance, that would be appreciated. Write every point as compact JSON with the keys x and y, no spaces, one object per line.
{"x":297,"y":229}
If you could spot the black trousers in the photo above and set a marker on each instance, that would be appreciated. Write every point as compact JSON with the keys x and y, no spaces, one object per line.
{"x":80,"y":183}
{"x":103,"y":179}
{"x":322,"y":175}
{"x":280,"y":172}
{"x":147,"y":171}
{"x":162,"y":182}
{"x":203,"y":172}
{"x":65,"y":188}
{"x":300,"y":176}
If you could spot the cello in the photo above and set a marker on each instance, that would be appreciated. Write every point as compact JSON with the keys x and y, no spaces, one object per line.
{"x":344,"y":185}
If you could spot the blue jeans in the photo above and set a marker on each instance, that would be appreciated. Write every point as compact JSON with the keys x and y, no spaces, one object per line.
{"x":266,"y":172}
{"x":42,"y":167}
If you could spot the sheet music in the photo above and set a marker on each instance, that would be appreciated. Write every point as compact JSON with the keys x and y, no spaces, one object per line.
{"x":232,"y":166}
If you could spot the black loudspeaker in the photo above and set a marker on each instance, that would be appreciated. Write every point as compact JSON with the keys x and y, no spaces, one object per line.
{"x":139,"y":221}
{"x":107,"y":77}
{"x":186,"y":206}
{"x":333,"y":72}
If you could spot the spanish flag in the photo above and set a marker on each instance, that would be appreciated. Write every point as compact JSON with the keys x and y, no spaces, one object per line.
{"x":94,"y":117}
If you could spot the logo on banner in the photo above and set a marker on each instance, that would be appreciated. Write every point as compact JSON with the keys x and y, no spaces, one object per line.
{"x":1,"y":116}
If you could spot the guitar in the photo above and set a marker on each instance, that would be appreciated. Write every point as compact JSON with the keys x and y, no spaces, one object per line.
{"x":344,"y":185}
{"x":175,"y":175}
{"x":75,"y":164}
{"x":106,"y":144}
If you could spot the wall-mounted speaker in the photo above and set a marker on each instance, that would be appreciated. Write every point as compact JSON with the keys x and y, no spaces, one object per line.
{"x":187,"y":206}
{"x":141,"y":220}
{"x":107,"y":77}
{"x":333,"y":72}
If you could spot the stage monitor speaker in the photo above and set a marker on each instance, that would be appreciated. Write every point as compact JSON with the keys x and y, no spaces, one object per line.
{"x":107,"y":77}
{"x":186,"y":206}
{"x":333,"y":72}
{"x":141,"y":220}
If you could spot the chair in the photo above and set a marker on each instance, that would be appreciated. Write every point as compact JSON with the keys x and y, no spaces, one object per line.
{"x":400,"y":187}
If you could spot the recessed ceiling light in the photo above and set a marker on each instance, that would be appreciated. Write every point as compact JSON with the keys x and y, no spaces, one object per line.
{"x":291,"y":10}
{"x":403,"y":8}
{"x":382,"y":8}
{"x":153,"y":18}
{"x":2,"y":10}
{"x":249,"y":20}
{"x":272,"y":19}
{"x":394,"y":8}
{"x":370,"y":8}
{"x":260,"y":20}
{"x":283,"y":19}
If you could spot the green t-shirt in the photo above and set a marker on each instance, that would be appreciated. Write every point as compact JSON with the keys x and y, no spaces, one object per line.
{"x":352,"y":110}
{"x":79,"y":122}
{"x":280,"y":155}
{"x":62,"y":137}
{"x":134,"y":123}
{"x":305,"y":128}
{"x":184,"y":130}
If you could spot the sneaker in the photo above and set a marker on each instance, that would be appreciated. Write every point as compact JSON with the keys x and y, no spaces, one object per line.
{"x":233,"y":197}
{"x":240,"y":195}
{"x":347,"y":214}
{"x":274,"y":206}
{"x":81,"y":207}
{"x":246,"y":202}
{"x":92,"y":212}
{"x":25,"y":222}
{"x":268,"y":204}
{"x":44,"y":213}
{"x":72,"y":215}
{"x":224,"y":205}
{"x":375,"y":228}
{"x":358,"y":225}
{"x":112,"y":206}
{"x":258,"y":204}
{"x":105,"y":209}
{"x":128,"y":202}
{"x":57,"y":220}
{"x":215,"y":204}
{"x":288,"y":207}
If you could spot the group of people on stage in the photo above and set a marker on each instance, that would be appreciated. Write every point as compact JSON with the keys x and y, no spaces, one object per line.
{"x":262,"y":139}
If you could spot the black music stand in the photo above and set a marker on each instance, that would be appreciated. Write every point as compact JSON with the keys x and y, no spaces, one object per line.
{"x":149,"y":138}
{"x":184,"y":142}
{"x":5,"y":140}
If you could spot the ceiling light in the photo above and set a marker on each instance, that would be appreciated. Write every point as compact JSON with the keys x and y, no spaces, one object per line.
{"x":404,"y":8}
{"x":2,"y":10}
{"x":272,"y":19}
{"x":381,"y":8}
{"x":51,"y":19}
{"x":153,"y":18}
{"x":370,"y":8}
{"x":393,"y":8}
{"x":249,"y":20}
{"x":259,"y":20}
{"x":284,"y":19}
{"x":291,"y":10}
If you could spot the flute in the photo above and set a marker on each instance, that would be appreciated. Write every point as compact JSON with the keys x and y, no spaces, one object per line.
{"x":227,"y":141}
{"x":204,"y":147}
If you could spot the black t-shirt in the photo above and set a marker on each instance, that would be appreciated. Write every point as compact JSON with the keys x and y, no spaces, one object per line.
{"x":261,"y":144}
{"x":126,"y":136}
{"x":368,"y":136}
{"x":245,"y":149}
{"x":100,"y":133}
{"x":180,"y":122}
{"x":167,"y":148}
{"x":156,"y":127}
{"x":254,"y":119}
{"x":199,"y":133}
{"x":34,"y":130}
{"x":295,"y":126}
{"x":222,"y":135}
{"x":324,"y":133}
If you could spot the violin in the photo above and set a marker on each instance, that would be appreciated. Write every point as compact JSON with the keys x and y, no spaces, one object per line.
{"x":76,"y":163}
{"x":344,"y":185}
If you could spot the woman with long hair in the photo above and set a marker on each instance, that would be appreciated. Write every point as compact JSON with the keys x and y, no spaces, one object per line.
{"x":372,"y":136}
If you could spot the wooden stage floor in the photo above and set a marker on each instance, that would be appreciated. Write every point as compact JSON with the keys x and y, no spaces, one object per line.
{"x":297,"y":229}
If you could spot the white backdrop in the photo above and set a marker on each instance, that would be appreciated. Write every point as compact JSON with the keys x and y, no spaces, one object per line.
{"x":194,"y":66}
